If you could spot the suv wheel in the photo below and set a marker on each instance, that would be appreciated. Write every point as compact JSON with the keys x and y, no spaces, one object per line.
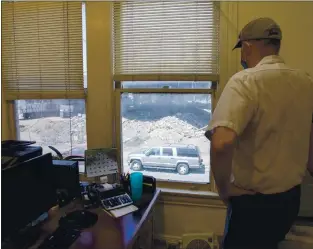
{"x":182,"y":168}
{"x":136,"y":165}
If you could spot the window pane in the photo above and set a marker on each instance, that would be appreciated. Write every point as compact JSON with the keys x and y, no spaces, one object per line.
{"x":57,"y":123}
{"x":154,"y":152}
{"x":173,"y":122}
{"x":168,"y":84}
{"x":167,"y":152}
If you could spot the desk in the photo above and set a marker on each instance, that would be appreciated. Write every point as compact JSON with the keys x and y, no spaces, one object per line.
{"x":132,"y":231}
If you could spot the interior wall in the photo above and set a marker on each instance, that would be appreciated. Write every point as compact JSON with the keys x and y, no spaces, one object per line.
{"x":176,"y":217}
{"x":296,"y":21}
{"x":99,"y":102}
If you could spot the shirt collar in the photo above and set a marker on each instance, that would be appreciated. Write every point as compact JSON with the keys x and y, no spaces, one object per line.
{"x":271,"y":59}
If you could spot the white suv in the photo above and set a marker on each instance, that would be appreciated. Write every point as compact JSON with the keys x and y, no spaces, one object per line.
{"x":179,"y":157}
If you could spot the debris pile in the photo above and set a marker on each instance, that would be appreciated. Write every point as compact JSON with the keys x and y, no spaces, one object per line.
{"x":55,"y":130}
{"x":138,"y":129}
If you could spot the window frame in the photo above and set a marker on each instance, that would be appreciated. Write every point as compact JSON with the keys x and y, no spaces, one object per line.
{"x":11,"y":105}
{"x":118,"y":91}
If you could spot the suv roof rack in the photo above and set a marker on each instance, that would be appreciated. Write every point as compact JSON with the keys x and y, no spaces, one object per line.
{"x":181,"y":145}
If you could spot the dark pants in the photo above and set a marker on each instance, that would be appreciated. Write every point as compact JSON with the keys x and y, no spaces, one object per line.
{"x":260,"y":221}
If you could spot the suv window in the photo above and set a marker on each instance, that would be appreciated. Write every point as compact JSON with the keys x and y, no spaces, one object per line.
{"x":154,"y":152}
{"x":167,"y":152}
{"x":187,"y":152}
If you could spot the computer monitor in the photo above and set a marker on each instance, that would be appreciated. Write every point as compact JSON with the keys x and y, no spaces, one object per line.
{"x":66,"y":180}
{"x":27,"y":192}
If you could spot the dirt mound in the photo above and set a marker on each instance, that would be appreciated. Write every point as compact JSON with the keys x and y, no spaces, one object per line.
{"x":56,"y":130}
{"x":171,"y":129}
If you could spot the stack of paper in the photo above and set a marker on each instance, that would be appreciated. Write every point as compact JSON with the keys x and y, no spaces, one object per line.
{"x":122,"y":211}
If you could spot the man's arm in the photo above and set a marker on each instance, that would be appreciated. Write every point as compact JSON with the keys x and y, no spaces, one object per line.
{"x":310,"y":162}
{"x":233,"y":112}
{"x":222,"y":149}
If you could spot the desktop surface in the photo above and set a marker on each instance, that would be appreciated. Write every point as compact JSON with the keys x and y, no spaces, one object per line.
{"x":107,"y":232}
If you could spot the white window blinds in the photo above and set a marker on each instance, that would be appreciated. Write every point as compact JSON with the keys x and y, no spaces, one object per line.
{"x":42,"y":50}
{"x":162,"y":38}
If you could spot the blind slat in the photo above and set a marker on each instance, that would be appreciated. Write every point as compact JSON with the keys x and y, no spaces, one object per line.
{"x":42,"y":49}
{"x":166,"y":37}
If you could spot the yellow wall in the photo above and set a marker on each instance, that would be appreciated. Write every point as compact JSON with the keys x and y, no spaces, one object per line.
{"x":99,"y":109}
{"x":296,"y":21}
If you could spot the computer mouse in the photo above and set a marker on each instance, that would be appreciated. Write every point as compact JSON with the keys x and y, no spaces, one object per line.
{"x":78,"y":219}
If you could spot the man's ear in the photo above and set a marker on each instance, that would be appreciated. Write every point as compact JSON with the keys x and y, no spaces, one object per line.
{"x":248,"y":47}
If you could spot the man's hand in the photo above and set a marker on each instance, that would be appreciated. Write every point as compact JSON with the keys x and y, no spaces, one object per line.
{"x":235,"y":191}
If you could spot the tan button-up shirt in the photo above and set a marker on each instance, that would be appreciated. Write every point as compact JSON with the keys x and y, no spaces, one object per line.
{"x":270,"y":108}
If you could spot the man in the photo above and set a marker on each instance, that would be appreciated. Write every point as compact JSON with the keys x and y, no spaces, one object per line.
{"x":260,"y":135}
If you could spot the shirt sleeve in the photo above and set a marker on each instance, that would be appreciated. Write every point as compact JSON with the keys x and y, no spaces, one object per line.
{"x":235,"y":108}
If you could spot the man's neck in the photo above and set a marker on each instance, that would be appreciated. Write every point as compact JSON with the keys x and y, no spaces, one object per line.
{"x":257,"y":60}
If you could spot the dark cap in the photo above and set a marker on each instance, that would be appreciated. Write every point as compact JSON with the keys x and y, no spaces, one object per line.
{"x":261,"y":28}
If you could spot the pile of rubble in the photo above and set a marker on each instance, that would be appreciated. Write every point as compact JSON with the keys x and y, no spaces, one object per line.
{"x":170,"y":129}
{"x":55,"y":130}
{"x":135,"y":132}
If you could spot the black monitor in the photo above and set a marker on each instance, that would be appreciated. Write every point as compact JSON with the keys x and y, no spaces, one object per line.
{"x":27,"y":192}
{"x":66,"y":180}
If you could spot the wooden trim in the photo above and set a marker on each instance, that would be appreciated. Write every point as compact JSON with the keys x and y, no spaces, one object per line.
{"x":148,"y":211}
{"x":167,"y":77}
{"x":228,"y":38}
{"x":44,"y":95}
{"x":165,"y":90}
{"x":9,"y":127}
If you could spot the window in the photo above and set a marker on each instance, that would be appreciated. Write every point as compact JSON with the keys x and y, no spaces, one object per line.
{"x":167,"y":152}
{"x":187,"y":152}
{"x":166,"y":57}
{"x":175,"y":122}
{"x":154,"y":152}
{"x":60,"y":123}
{"x":44,"y":72}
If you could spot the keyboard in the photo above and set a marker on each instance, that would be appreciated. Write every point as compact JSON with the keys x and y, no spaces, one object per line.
{"x":61,"y":238}
{"x":117,"y":201}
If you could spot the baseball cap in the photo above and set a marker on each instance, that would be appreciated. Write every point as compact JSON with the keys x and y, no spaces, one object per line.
{"x":261,"y":28}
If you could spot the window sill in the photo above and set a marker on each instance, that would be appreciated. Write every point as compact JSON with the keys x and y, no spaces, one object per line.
{"x":186,"y":187}
{"x":192,"y":193}
{"x":170,"y":196}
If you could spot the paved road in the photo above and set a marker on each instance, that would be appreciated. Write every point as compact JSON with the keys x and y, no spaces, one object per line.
{"x":202,"y":176}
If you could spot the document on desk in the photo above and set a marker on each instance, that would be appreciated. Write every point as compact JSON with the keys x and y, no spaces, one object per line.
{"x":123,"y":211}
